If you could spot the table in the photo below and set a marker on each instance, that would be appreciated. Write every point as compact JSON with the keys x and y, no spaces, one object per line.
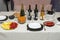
{"x":21,"y":33}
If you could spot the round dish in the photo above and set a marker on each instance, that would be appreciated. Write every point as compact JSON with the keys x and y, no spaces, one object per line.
{"x":3,"y":18}
{"x":34,"y":27}
{"x":49,"y":23}
{"x":9,"y":25}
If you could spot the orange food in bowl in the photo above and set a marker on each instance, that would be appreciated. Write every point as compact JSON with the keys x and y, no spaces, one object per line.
{"x":21,"y":19}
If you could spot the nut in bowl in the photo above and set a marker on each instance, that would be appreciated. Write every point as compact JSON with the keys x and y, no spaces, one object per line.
{"x":9,"y":25}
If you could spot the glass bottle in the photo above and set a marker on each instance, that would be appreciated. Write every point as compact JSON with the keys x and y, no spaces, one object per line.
{"x":29,"y":11}
{"x":36,"y":12}
{"x":22,"y":18}
{"x":42,"y":13}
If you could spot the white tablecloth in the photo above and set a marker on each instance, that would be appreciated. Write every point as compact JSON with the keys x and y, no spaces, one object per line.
{"x":21,"y":32}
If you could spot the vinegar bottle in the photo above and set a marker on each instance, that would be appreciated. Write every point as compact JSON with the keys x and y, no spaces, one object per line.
{"x":42,"y":14}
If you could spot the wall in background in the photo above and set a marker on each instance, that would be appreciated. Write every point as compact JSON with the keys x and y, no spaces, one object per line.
{"x":26,"y":3}
{"x":32,"y":2}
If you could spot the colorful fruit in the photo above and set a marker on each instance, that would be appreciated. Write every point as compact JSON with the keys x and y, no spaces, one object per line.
{"x":9,"y":25}
{"x":13,"y":25}
{"x":6,"y":26}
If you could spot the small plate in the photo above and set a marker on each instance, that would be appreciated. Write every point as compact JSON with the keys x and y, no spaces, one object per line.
{"x":34,"y":26}
{"x":3,"y":18}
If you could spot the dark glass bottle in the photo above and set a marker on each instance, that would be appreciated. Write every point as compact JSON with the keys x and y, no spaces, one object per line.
{"x":29,"y":11}
{"x":36,"y":12}
{"x":22,"y":13}
{"x":22,"y":18}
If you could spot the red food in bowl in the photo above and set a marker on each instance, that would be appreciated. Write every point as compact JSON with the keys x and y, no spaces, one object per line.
{"x":49,"y":23}
{"x":13,"y":25}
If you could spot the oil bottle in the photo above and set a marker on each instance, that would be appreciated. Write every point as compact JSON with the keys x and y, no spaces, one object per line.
{"x":42,"y":14}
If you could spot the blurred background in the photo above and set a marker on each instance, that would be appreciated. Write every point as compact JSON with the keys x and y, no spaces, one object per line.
{"x":17,"y":4}
{"x":2,"y":6}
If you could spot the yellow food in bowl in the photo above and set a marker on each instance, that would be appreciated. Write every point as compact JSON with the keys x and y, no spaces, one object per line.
{"x":6,"y":25}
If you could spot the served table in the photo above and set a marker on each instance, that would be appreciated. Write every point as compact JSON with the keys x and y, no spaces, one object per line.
{"x":21,"y":32}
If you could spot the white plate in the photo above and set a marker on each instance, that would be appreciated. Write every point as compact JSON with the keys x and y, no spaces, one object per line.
{"x":58,"y":23}
{"x":34,"y":25}
{"x":2,"y":17}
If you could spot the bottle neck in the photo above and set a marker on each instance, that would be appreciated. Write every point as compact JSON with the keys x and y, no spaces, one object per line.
{"x":22,"y":13}
{"x":42,"y":8}
{"x":36,"y":10}
{"x":29,"y":10}
{"x":22,"y":7}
